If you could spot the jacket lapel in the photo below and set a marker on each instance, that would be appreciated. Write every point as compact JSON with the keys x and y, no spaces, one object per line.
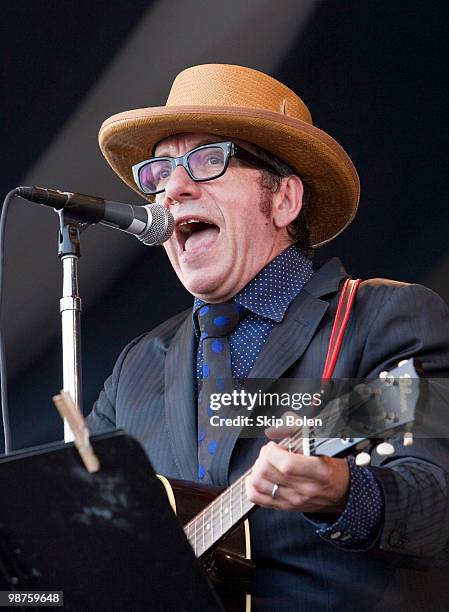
{"x":285,"y":346}
{"x":180,"y":411}
{"x":288,"y":340}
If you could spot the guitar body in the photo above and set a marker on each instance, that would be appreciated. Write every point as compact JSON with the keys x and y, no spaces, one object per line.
{"x":228,"y":565}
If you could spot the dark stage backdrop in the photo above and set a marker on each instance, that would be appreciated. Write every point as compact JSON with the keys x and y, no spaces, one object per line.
{"x":373,"y":73}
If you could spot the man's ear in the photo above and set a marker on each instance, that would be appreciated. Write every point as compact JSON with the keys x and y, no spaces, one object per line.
{"x":287,"y":202}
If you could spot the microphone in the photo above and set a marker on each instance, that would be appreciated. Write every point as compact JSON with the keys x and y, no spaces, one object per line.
{"x":152,"y":224}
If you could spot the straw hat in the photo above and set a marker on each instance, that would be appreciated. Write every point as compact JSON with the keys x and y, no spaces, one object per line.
{"x":237,"y":102}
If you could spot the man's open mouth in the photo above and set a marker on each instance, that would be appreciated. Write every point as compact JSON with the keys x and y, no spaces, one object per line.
{"x":194,"y":233}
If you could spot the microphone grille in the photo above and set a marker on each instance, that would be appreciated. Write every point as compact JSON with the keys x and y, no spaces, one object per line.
{"x":160,"y":225}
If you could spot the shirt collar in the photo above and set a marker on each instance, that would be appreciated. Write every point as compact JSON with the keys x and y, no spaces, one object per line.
{"x":271,"y":292}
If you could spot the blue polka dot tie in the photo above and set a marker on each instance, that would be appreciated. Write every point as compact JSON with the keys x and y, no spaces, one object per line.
{"x":216,"y":322}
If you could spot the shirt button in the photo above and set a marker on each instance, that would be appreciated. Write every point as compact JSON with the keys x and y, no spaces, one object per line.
{"x":335,"y":535}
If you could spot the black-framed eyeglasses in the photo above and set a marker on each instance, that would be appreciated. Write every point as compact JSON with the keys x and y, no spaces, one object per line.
{"x":203,"y":163}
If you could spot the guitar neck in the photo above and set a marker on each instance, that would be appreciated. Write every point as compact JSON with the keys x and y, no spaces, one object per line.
{"x":219,"y":517}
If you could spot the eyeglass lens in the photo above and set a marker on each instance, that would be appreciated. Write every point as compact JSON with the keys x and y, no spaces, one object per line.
{"x":203,"y":164}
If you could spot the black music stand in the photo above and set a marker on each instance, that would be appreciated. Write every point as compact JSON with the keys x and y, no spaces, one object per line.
{"x":108,"y":540}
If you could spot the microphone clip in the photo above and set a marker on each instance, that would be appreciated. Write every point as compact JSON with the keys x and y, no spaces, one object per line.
{"x":70,"y":229}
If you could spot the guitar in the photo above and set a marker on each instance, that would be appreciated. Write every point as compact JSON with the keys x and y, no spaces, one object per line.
{"x":215,"y":519}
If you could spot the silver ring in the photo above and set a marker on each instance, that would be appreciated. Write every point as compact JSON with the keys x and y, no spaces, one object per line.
{"x":274,"y":490}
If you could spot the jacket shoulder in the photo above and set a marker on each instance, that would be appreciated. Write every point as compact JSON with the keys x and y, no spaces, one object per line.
{"x":382,"y":290}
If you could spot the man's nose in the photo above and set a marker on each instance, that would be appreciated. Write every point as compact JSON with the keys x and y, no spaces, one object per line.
{"x":181,"y":186}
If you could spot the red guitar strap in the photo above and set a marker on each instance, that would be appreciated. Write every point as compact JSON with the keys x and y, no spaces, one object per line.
{"x":345,"y":303}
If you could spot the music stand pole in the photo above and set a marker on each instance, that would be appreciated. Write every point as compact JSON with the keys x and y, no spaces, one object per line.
{"x":70,"y":308}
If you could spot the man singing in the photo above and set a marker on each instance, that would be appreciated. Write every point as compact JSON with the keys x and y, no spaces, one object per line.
{"x":254,"y":187}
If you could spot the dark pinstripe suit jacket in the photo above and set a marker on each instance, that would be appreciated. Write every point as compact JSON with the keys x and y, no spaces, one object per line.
{"x":150,"y":394}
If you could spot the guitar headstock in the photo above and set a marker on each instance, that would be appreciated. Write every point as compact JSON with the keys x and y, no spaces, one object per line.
{"x":372,"y":413}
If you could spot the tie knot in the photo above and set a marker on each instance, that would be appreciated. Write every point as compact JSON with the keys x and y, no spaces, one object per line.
{"x":218,"y":320}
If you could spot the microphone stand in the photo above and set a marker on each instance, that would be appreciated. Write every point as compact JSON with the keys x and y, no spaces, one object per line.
{"x":70,"y":307}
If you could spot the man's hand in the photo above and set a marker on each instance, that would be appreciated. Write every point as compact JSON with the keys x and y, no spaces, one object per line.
{"x":305,"y":484}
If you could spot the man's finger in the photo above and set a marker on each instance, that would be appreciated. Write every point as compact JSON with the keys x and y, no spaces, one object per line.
{"x":297,"y":465}
{"x":283,"y":431}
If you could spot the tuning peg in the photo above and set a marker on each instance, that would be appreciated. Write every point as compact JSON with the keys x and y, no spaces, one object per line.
{"x":363,"y":459}
{"x":384,"y":449}
{"x":402,"y":363}
{"x":408,"y":439}
{"x":387,"y":377}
